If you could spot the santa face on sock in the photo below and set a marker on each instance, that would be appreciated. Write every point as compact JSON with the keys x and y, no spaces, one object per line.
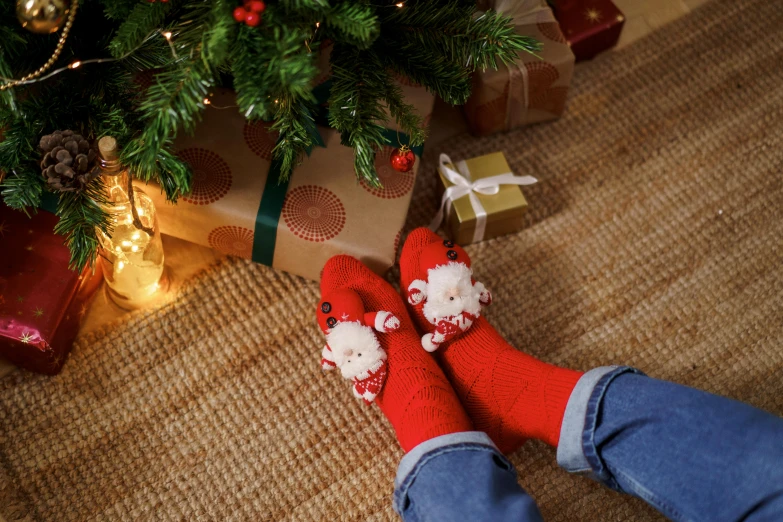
{"x":351,"y":344}
{"x":354,"y":349}
{"x":450,"y":291}
{"x":450,"y":298}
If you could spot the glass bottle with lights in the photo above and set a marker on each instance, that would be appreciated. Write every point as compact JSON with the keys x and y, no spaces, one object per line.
{"x":132,"y":256}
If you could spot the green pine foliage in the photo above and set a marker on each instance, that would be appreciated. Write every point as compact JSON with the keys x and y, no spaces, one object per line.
{"x":272,"y":67}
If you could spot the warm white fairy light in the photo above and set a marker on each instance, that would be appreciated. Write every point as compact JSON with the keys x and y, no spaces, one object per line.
{"x":206,"y":101}
{"x":78,"y":63}
{"x":399,"y":4}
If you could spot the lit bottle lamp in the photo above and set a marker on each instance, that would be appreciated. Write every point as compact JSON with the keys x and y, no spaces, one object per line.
{"x":132,"y":257}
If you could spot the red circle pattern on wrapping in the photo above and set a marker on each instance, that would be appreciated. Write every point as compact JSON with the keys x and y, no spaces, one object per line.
{"x":259,"y":139}
{"x":313,"y":213}
{"x":552,"y":31}
{"x":211,"y":176}
{"x":231,"y":240}
{"x":394,"y":184}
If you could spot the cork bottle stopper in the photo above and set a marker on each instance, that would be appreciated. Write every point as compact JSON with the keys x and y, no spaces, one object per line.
{"x":108,"y":148}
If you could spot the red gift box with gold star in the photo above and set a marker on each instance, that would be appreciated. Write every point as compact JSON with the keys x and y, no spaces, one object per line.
{"x":589,"y":26}
{"x":42,"y":302}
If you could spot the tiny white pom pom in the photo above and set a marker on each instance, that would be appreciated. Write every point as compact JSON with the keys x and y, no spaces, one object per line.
{"x":427,"y":344}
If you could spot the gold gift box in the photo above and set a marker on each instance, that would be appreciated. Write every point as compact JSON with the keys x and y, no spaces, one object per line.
{"x":504,"y":209}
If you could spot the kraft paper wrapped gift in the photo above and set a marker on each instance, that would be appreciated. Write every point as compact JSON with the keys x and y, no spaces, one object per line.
{"x":480,"y":198}
{"x":531,"y":90}
{"x":237,"y":206}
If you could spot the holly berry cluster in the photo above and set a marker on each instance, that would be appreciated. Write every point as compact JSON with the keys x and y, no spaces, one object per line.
{"x":250,"y":13}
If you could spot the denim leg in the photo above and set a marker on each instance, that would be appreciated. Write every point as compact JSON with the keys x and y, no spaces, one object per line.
{"x":460,"y":477}
{"x":692,"y":455}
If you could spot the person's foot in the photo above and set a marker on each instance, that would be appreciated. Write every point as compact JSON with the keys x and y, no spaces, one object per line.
{"x":508,"y":394}
{"x":414,"y":394}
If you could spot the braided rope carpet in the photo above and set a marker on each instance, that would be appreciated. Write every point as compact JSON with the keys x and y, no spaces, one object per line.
{"x":655,"y":238}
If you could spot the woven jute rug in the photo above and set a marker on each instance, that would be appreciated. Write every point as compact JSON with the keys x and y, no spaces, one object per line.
{"x":655,"y":238}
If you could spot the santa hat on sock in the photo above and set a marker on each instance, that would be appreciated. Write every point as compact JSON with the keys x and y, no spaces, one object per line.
{"x":441,"y":253}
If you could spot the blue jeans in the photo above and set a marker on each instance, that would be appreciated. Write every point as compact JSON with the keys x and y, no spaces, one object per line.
{"x":692,"y":455}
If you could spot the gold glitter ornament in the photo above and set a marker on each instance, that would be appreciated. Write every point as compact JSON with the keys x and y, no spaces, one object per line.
{"x":42,"y":16}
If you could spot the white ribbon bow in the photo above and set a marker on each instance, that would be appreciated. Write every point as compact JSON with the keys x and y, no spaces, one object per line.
{"x":463,"y":186}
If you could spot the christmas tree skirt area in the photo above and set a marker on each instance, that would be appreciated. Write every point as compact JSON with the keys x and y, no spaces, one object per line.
{"x":653,"y":239}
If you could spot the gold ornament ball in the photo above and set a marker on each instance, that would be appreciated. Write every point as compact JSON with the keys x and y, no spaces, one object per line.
{"x":42,"y":16}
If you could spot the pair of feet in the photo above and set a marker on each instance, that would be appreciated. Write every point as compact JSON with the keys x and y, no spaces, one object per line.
{"x":475,"y":381}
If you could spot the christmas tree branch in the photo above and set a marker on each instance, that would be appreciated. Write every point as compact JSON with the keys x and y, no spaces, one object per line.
{"x":18,"y":149}
{"x":21,"y":190}
{"x":270,"y":63}
{"x":273,"y":76}
{"x":355,"y":108}
{"x":405,"y":114}
{"x":81,"y":217}
{"x":294,"y":6}
{"x":144,"y":19}
{"x":352,"y":23}
{"x":294,"y":124}
{"x":119,"y":9}
{"x":475,"y":43}
{"x":176,"y":99}
{"x":440,"y":46}
{"x":440,"y":76}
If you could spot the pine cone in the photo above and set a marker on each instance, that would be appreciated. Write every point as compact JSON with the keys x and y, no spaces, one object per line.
{"x":69,"y":162}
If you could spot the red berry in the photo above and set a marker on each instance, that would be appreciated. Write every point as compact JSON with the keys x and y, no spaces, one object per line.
{"x":402,"y":160}
{"x":252,"y":19}
{"x":240,"y":14}
{"x":257,"y":6}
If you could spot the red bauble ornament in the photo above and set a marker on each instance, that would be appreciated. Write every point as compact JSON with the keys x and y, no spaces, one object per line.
{"x":239,"y":14}
{"x":402,"y":159}
{"x":256,"y":6}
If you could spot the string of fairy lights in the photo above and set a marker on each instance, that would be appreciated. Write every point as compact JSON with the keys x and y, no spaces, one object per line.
{"x":38,"y":75}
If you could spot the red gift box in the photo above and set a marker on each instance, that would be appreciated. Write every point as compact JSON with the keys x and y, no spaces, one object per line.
{"x":42,"y":302}
{"x":589,"y":26}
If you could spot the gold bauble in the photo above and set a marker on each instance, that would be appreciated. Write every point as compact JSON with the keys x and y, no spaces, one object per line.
{"x":42,"y":16}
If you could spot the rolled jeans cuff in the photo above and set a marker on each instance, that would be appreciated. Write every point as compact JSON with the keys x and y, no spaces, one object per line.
{"x":576,"y":451}
{"x":415,"y":459}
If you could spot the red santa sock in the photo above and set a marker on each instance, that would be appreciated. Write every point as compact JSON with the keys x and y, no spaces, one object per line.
{"x":508,"y":394}
{"x":415,"y":395}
